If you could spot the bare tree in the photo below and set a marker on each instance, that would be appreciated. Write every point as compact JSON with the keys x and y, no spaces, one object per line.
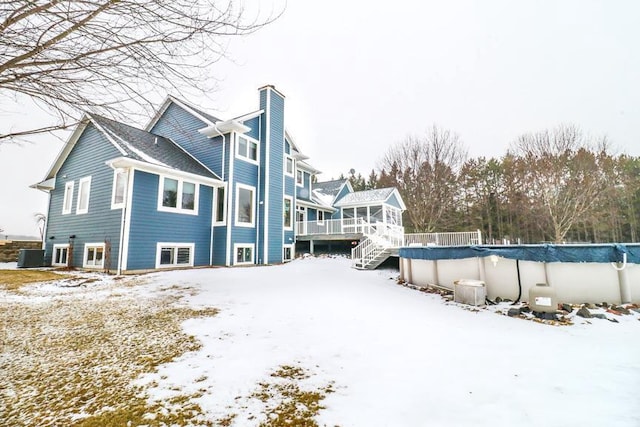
{"x":103,"y":55}
{"x":41,"y":220}
{"x":424,"y":169}
{"x":564,"y":176}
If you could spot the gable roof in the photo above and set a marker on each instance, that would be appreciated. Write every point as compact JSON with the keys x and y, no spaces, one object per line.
{"x":150,"y":148}
{"x":368,"y":197}
{"x":327,"y":191}
{"x":135,"y":144}
{"x":205,"y":117}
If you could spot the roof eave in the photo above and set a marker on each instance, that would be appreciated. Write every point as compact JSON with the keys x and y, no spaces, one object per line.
{"x":126,"y":162}
{"x":220,"y":128}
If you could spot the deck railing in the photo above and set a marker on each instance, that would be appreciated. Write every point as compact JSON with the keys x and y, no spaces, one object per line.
{"x":462,"y":238}
{"x":334,"y":226}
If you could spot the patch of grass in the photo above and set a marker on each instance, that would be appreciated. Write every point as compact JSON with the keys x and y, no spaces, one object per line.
{"x":12,"y":280}
{"x":287,"y":404}
{"x":71,"y":361}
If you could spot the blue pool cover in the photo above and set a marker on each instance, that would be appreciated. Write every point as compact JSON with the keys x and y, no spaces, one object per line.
{"x":542,"y":253}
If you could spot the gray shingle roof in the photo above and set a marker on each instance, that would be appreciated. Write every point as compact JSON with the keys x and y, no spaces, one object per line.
{"x":150,"y":148}
{"x":329,"y":187}
{"x":379,"y":195}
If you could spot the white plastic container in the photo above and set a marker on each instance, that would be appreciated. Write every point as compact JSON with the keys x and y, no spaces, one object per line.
{"x":469,"y":291}
{"x":542,"y":298}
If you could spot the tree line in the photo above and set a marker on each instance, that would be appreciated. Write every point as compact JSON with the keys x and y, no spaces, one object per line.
{"x":555,"y":185}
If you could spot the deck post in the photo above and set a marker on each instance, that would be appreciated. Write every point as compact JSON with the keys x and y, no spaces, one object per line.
{"x":311,"y":246}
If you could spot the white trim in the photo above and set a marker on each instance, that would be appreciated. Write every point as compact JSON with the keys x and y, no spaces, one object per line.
{"x":53,"y":255}
{"x":125,"y":162}
{"x":66,"y":208}
{"x":176,"y":246}
{"x":216,"y":221}
{"x":301,"y":183}
{"x":291,"y":213}
{"x":236,"y":246}
{"x":267,"y":192}
{"x":249,"y":141}
{"x":318,"y":220}
{"x":248,"y":116}
{"x":293,"y":165}
{"x":85,"y":264}
{"x":83,"y":209}
{"x":178,"y":208}
{"x":230,"y":207}
{"x":126,"y":226}
{"x":293,"y":252}
{"x":116,"y":172}
{"x":237,"y":222}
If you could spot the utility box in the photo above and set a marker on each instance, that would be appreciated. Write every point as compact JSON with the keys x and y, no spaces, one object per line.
{"x":30,"y":258}
{"x":468,"y":291}
{"x":542,"y":298}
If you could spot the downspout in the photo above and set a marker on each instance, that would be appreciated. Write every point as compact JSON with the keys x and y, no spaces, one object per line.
{"x":255,"y":255}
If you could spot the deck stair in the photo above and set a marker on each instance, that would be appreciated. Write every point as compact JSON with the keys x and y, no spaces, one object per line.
{"x":375,"y":247}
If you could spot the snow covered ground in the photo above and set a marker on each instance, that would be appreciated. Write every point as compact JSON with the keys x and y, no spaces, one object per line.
{"x":393,"y":356}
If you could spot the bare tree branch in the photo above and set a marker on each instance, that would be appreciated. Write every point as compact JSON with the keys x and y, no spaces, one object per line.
{"x":110,"y":55}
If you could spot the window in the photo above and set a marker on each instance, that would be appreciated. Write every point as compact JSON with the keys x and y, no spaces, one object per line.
{"x":287,"y":253}
{"x":300,"y":178}
{"x":93,"y":255}
{"x":119,"y":188}
{"x":177,"y":195}
{"x":60,"y":255}
{"x":247,"y":148}
{"x":83,"y":195}
{"x":174,"y":255}
{"x":170,"y":193}
{"x":288,"y":223}
{"x":288,"y":165}
{"x":245,"y":205}
{"x":244,"y":253}
{"x":221,"y":205}
{"x":68,"y":198}
{"x":188,"y":195}
{"x":320,"y":217}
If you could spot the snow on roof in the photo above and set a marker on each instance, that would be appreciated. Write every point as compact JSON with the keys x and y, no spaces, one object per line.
{"x":379,"y":195}
{"x":150,"y":148}
{"x":331,"y":188}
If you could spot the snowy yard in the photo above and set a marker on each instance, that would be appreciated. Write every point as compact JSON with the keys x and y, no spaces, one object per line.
{"x":364,"y":350}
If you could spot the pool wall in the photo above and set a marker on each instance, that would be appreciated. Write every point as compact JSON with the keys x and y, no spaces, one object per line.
{"x":574,"y":282}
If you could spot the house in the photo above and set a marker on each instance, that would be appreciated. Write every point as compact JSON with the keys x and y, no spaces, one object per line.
{"x":194,"y":190}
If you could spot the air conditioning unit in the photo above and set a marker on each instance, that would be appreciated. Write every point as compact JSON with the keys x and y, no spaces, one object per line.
{"x":30,"y":258}
{"x":469,"y":291}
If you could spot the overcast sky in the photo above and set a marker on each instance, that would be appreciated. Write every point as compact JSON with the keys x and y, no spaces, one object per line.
{"x":360,"y":76}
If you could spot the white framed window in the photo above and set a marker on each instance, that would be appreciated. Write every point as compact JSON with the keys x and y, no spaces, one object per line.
{"x":60,"y":256}
{"x":287,"y":253}
{"x":84,"y":188}
{"x":170,"y":255}
{"x":247,"y":148}
{"x":93,"y":255}
{"x":177,"y":195}
{"x":67,"y":202}
{"x":243,"y":253}
{"x":119,"y":189}
{"x":300,"y":178}
{"x":289,"y":165}
{"x":220,"y":206}
{"x":245,"y":205}
{"x":320,"y":219}
{"x":288,"y":213}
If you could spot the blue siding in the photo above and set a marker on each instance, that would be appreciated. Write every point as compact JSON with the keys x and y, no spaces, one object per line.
{"x":274,"y":110}
{"x":254,"y":124}
{"x":181,"y":126}
{"x":343,"y":192}
{"x":393,"y":201}
{"x":87,"y":158}
{"x":220,"y":245}
{"x":149,"y":226}
{"x":312,"y":214}
{"x":337,"y":214}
